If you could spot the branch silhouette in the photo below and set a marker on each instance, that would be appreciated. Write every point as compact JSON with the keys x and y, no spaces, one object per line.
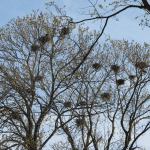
{"x":146,"y":5}
{"x":107,"y":17}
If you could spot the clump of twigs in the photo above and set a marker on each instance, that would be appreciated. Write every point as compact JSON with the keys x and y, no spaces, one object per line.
{"x":38,"y":78}
{"x":80,"y":122}
{"x":64,"y":31}
{"x":44,"y":39}
{"x":43,"y":108}
{"x":131,"y":77}
{"x":105,"y":96}
{"x":67,"y":104}
{"x":115,"y":68}
{"x":120,"y":82}
{"x":29,"y":91}
{"x":141,"y":65}
{"x":82,"y":103}
{"x":96,"y":65}
{"x":35,"y":48}
{"x":15,"y":115}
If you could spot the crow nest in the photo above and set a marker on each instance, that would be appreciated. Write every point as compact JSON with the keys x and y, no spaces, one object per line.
{"x":115,"y":68}
{"x":131,"y":77}
{"x":105,"y":96}
{"x":80,"y":122}
{"x":141,"y":65}
{"x":96,"y":66}
{"x":120,"y":82}
{"x":67,"y":104}
{"x":44,"y":39}
{"x":38,"y":78}
{"x":64,"y":31}
{"x":35,"y":48}
{"x":15,"y":115}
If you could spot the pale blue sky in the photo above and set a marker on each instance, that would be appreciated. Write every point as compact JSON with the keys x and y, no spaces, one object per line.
{"x":127,"y":27}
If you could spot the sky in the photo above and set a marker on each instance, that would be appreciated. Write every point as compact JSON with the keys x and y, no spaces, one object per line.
{"x":126,"y":28}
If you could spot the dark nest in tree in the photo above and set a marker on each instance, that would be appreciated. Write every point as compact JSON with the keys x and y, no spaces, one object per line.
{"x":131,"y":77}
{"x":64,"y":31}
{"x":38,"y":78}
{"x":67,"y":104}
{"x":105,"y":96}
{"x":115,"y":68}
{"x":141,"y":65}
{"x":15,"y":115}
{"x":44,"y":39}
{"x":82,"y":102}
{"x":34,"y":47}
{"x":120,"y":82}
{"x":96,"y":65}
{"x":80,"y":122}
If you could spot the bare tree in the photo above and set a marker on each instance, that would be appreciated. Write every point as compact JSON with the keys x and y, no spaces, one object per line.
{"x":112,"y":110}
{"x":103,"y":13}
{"x":44,"y":80}
{"x":37,"y":58}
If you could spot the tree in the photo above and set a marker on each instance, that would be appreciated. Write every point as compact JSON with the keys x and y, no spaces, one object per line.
{"x":99,"y":13}
{"x":113,"y":100}
{"x":40,"y":79}
{"x":33,"y":76}
{"x":37,"y":60}
{"x":123,"y":108}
